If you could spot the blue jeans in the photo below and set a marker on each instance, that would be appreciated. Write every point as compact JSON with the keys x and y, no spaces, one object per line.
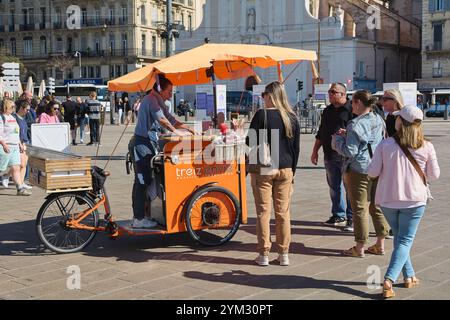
{"x":82,"y":123}
{"x":340,"y":203}
{"x":404,"y":224}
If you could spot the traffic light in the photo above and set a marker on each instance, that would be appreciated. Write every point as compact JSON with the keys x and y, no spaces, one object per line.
{"x":1,"y":71}
{"x":299,"y":85}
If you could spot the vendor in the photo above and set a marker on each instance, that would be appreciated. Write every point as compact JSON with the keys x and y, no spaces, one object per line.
{"x":153,"y":120}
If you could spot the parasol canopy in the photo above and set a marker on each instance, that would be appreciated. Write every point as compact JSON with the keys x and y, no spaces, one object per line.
{"x":230,"y":61}
{"x":30,"y":85}
{"x":41,"y":93}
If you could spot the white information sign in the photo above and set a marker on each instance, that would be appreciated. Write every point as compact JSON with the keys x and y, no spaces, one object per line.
{"x":408,"y":90}
{"x":258,"y":101}
{"x":221,"y":98}
{"x":54,"y":136}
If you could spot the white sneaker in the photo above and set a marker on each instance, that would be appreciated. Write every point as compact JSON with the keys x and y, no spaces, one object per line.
{"x":5,"y":182}
{"x":143,"y":224}
{"x":283,"y":259}
{"x":81,"y":141}
{"x":262,"y":260}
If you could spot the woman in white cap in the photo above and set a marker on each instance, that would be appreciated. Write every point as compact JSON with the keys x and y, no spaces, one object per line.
{"x":404,"y":163}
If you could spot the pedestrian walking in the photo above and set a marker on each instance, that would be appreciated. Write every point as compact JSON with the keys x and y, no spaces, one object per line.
{"x":280,"y":126}
{"x":93,"y":110}
{"x":357,"y":143}
{"x":70,"y":116}
{"x":335,"y":117}
{"x":404,"y":164}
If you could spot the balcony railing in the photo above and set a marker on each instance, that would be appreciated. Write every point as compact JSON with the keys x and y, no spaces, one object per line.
{"x":12,"y":28}
{"x":437,"y":72}
{"x":2,"y":28}
{"x":26,"y":27}
{"x":57,"y":25}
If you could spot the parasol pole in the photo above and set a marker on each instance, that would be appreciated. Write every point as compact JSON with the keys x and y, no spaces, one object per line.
{"x":210,"y":74}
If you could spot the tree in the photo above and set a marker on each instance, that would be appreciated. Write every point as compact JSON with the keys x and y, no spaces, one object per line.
{"x":62,"y":63}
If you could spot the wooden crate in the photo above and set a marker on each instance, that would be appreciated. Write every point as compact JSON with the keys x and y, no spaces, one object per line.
{"x":57,"y":172}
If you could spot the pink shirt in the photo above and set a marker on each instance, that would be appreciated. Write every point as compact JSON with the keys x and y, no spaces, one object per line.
{"x":399,"y":184}
{"x":45,"y":118}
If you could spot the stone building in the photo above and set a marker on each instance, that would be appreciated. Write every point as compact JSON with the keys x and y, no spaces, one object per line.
{"x":351,"y":52}
{"x":115,"y":37}
{"x":435,"y":46}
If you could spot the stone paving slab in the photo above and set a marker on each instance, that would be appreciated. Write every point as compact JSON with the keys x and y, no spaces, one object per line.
{"x":174,"y":267}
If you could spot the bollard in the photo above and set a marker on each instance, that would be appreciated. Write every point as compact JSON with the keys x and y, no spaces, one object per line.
{"x":446,"y":112}
{"x":186,"y":116}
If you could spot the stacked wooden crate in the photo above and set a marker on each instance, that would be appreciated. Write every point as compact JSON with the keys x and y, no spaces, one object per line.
{"x":59,"y":172}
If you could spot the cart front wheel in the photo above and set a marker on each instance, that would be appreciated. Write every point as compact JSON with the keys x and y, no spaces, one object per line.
{"x":52,"y":222}
{"x":213,"y":216}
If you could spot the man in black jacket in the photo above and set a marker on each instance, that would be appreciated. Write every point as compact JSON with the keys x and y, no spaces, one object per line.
{"x":70,"y":116}
{"x":335,"y":117}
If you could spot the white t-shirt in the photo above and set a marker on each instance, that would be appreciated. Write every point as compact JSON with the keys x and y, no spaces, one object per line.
{"x":9,"y":129}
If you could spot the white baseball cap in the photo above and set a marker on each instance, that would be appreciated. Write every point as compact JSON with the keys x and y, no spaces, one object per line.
{"x":410,"y":113}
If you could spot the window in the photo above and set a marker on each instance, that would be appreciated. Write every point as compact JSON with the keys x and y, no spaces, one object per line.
{"x":143,"y":44}
{"x":69,"y":44}
{"x":12,"y":43}
{"x":112,"y":43}
{"x":437,"y":36}
{"x":361,"y":70}
{"x":43,"y":16}
{"x":83,"y":72}
{"x":124,"y":14}
{"x":97,"y":44}
{"x":2,"y":44}
{"x":97,"y":17}
{"x":83,"y":16}
{"x":439,"y":5}
{"x":118,"y":70}
{"x":83,"y":43}
{"x":98,"y":73}
{"x":43,"y":45}
{"x":112,"y":16}
{"x":182,"y":18}
{"x":190,"y":22}
{"x":437,"y":69}
{"x":59,"y":45}
{"x":111,"y":72}
{"x":154,"y":46}
{"x":91,"y":72}
{"x":125,"y":69}
{"x":12,"y":20}
{"x":124,"y":43}
{"x":154,"y":15}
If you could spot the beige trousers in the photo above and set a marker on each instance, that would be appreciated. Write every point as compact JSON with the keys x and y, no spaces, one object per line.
{"x":277,"y":188}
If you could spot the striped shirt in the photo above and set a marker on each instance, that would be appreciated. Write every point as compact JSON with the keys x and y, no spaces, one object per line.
{"x":94,"y":107}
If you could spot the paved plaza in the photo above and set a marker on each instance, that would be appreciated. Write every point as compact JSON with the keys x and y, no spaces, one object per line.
{"x":174,"y":267}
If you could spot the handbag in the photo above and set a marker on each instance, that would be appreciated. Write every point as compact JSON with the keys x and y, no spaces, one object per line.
{"x":260,"y":152}
{"x":417,"y":167}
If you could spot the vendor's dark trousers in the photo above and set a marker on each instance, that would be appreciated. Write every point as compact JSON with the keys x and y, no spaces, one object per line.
{"x":139,"y":198}
{"x":94,"y":125}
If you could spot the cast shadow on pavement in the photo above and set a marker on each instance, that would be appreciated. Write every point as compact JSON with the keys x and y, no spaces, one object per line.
{"x":280,"y":281}
{"x":20,"y":238}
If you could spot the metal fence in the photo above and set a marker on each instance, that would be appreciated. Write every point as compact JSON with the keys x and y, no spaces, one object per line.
{"x":309,"y":119}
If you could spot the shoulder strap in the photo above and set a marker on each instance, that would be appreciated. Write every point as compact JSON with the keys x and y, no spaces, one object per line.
{"x":412,"y":160}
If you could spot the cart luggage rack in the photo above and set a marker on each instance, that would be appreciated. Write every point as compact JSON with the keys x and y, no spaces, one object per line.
{"x":63,"y":190}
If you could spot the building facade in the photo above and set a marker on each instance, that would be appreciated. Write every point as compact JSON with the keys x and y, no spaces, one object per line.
{"x":435,"y":45}
{"x":350,"y":52}
{"x":114,"y":38}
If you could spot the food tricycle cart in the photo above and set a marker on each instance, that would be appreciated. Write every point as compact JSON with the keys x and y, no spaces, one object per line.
{"x":204,"y":197}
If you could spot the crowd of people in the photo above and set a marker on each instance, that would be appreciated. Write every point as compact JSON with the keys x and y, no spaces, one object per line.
{"x":377,"y":162}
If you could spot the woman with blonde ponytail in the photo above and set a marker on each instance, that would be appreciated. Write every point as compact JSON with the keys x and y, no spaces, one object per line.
{"x":278,"y":123}
{"x":357,"y":144}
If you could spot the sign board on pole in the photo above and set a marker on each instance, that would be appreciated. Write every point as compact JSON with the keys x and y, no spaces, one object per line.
{"x":205,"y":102}
{"x":321,"y":93}
{"x":221,"y":98}
{"x":407,"y":89}
{"x":258,"y":101}
{"x":51,"y":85}
{"x":11,"y":79}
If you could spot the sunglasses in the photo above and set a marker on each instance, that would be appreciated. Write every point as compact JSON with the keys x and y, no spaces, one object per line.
{"x":334,"y":92}
{"x":387,"y":98}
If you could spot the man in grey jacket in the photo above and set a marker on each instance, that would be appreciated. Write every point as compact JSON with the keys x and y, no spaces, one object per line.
{"x":94,"y":109}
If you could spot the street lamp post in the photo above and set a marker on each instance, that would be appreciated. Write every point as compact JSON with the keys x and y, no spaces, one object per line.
{"x":78,"y":55}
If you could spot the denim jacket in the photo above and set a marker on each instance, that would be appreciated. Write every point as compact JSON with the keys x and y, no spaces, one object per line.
{"x":365,"y":129}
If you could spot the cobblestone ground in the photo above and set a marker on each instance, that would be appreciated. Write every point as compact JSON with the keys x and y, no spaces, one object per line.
{"x":174,"y":267}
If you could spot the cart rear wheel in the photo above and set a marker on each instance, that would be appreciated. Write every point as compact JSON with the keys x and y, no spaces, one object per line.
{"x":213,"y":216}
{"x":51,"y":222}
